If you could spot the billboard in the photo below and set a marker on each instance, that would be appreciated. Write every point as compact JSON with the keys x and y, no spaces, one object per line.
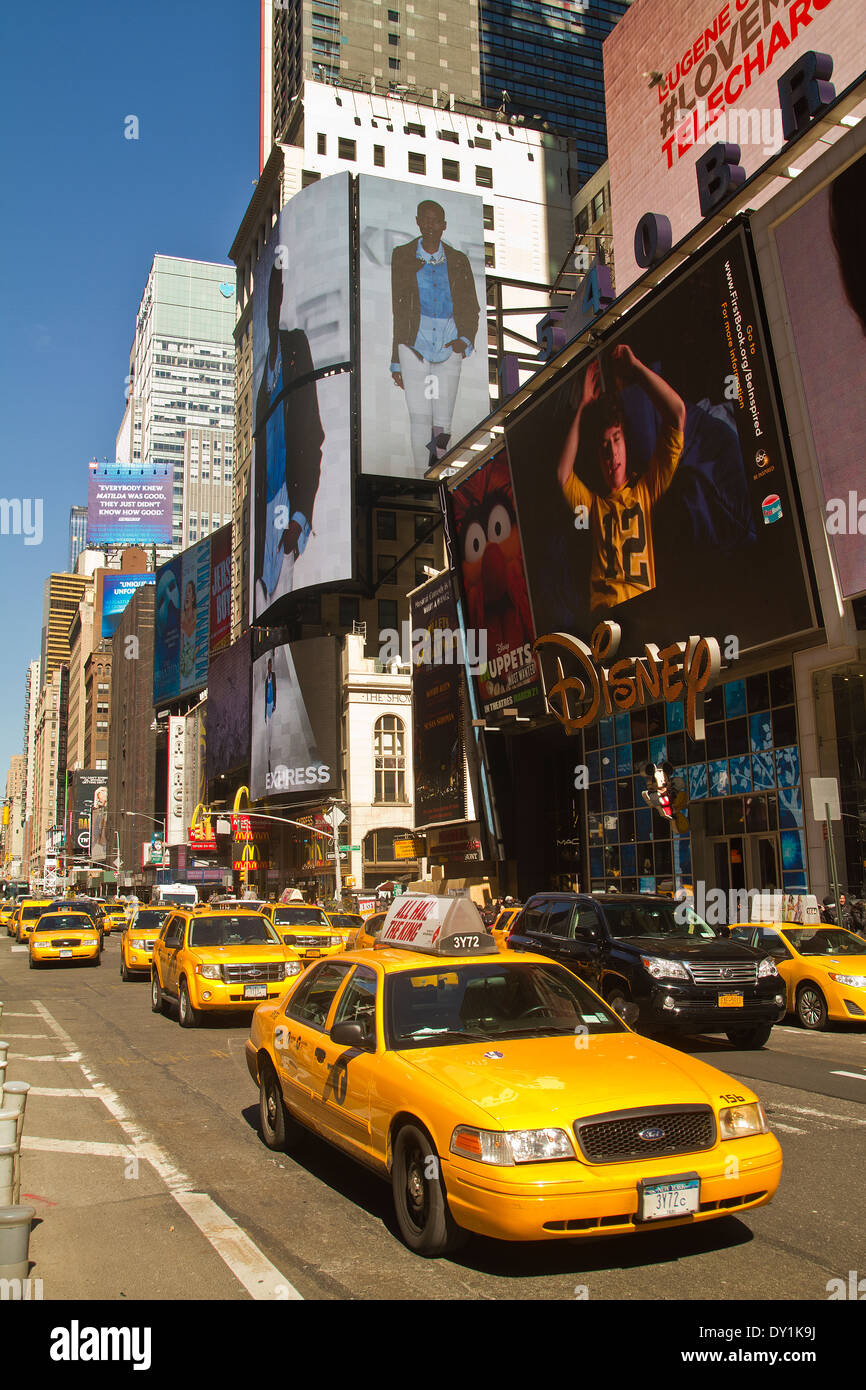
{"x":424,"y":367}
{"x":129,"y":504}
{"x":493,"y":580}
{"x":820,"y":250}
{"x":300,"y":523}
{"x":228,"y":705}
{"x":437,"y":709}
{"x":713,"y":74}
{"x":651,"y":481}
{"x":220,"y":589}
{"x":295,"y":745}
{"x":166,"y":636}
{"x":186,"y":773}
{"x":194,"y":616}
{"x":117,"y":590}
{"x":84,"y":783}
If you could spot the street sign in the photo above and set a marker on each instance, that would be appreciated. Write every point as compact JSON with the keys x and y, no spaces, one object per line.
{"x":344,"y":849}
{"x":825,"y":792}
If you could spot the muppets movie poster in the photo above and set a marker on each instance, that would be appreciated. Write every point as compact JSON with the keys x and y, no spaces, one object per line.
{"x":496,"y":599}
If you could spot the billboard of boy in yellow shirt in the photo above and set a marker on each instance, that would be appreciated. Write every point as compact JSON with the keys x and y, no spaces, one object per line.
{"x":620,"y":516}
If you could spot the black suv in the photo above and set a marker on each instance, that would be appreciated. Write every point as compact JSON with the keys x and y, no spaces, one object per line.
{"x":658,"y":955}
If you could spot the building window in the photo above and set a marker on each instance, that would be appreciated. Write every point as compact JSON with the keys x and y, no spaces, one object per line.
{"x":386,"y":526}
{"x":417,"y":163}
{"x":388,"y":615}
{"x":384,"y":563}
{"x":394,"y":64}
{"x":451,"y":170}
{"x":488,"y":217}
{"x":482,"y":143}
{"x":483,"y":176}
{"x":349,"y":611}
{"x":413,"y":128}
{"x":394,"y":16}
{"x":393,"y":38}
{"x":379,"y":156}
{"x":598,"y":206}
{"x":489,"y":254}
{"x":389,"y":758}
{"x":581,"y":222}
{"x":422,"y":526}
{"x":321,"y":143}
{"x":450,"y":135}
{"x":346,"y":148}
{"x":308,"y":176}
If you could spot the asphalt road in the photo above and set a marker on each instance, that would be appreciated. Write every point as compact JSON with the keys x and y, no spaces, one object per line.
{"x":143,"y":1159}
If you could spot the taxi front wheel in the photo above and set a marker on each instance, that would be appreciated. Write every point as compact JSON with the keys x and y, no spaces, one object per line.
{"x":187,"y":1016}
{"x":420,"y":1203}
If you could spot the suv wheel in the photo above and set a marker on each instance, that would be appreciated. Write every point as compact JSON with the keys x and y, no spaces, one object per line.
{"x":157,"y":998}
{"x":750,"y":1039}
{"x":187,"y":1016}
{"x":811,"y":1008}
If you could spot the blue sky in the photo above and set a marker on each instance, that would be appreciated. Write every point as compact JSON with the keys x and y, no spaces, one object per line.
{"x":84,"y":212}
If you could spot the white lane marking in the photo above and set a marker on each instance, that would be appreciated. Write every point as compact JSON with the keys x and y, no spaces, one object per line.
{"x":26,"y":1035}
{"x":259,"y":1277}
{"x":47,"y":1057}
{"x":20,"y":948}
{"x":75,"y":1146}
{"x":858,"y":1075}
{"x":818,"y":1114}
{"x":248,"y":1264}
{"x":59,"y":1092}
{"x":786,"y":1129}
{"x":10,"y":1013}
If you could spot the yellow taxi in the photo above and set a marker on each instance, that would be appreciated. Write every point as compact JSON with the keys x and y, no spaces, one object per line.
{"x":502,"y":926}
{"x":136,"y":944}
{"x":10,"y":918}
{"x":64,"y":936}
{"x":115,"y":917}
{"x":344,"y":922}
{"x":824,"y":969}
{"x":7,"y":911}
{"x":305,"y":928}
{"x":28,"y":915}
{"x":218,"y":961}
{"x":498,"y":1094}
{"x":366,"y":936}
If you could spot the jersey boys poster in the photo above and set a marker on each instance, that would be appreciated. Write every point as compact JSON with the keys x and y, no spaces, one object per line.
{"x":496,"y":601}
{"x":650,"y":480}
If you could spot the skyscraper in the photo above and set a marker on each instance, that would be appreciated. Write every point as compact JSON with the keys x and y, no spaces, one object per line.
{"x":542,"y":61}
{"x":539,"y":60}
{"x":180,"y":403}
{"x":77,"y":535}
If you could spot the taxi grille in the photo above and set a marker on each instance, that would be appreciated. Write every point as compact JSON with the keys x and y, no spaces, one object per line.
{"x":740,"y":972}
{"x":616,"y":1137}
{"x":291,"y":939}
{"x":66,"y":941}
{"x":259,"y":973}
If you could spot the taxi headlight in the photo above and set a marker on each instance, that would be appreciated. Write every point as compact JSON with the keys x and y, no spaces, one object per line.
{"x":209,"y":972}
{"x":766,"y":968}
{"x":855,"y":981}
{"x":291,"y":968}
{"x":738,"y":1121}
{"x":40,"y":945}
{"x":505,"y":1148}
{"x":335,"y":941}
{"x":142,"y":945}
{"x":665,"y":969}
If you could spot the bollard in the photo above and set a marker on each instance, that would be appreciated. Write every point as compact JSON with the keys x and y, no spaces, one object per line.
{"x":4,"y":1049}
{"x":2,"y":1081}
{"x":9,"y":1128}
{"x":15,"y":1241}
{"x":8,"y":1173}
{"x":15,"y":1098}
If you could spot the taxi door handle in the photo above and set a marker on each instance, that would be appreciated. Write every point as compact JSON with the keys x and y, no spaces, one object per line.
{"x":320,"y":1054}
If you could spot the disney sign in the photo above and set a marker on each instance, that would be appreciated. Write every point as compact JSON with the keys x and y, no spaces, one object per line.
{"x":585,"y":690}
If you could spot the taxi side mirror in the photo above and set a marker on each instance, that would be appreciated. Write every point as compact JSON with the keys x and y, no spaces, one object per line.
{"x":348,"y":1035}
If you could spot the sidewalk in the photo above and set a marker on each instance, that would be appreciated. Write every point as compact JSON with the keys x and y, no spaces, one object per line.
{"x":114,"y":1218}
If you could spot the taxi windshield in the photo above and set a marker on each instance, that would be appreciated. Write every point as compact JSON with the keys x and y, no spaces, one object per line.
{"x":456,"y":1002}
{"x":226,"y":929}
{"x":150,"y":919}
{"x":821,"y":941}
{"x":656,"y":919}
{"x":300,"y":917}
{"x":29,"y":912}
{"x":64,"y":921}
{"x":345,"y":921}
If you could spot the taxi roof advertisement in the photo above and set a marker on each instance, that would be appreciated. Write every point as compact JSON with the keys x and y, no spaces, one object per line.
{"x":714,"y":69}
{"x":651,"y":480}
{"x":437,"y":706}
